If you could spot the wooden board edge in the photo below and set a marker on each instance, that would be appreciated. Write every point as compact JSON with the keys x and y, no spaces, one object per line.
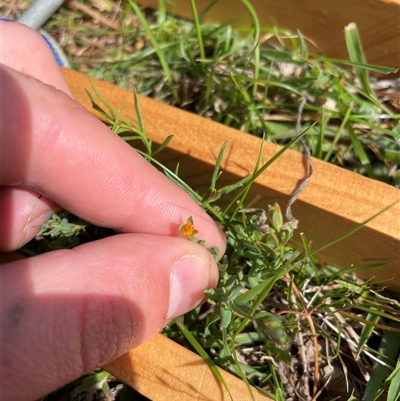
{"x":165,"y":371}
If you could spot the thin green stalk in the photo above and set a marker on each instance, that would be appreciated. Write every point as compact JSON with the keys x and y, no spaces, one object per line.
{"x":195,"y":344}
{"x":353,"y":230}
{"x":338,"y":134}
{"x":197,"y":26}
{"x":160,"y":54}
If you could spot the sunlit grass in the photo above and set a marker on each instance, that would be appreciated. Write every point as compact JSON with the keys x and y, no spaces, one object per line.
{"x":272,"y":301}
{"x":252,"y":81}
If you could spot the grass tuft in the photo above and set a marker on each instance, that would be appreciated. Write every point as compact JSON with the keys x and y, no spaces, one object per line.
{"x":279,"y":318}
{"x":252,"y":83}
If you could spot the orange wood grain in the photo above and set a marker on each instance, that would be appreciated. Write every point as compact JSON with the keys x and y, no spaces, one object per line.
{"x":165,"y":371}
{"x":322,"y":22}
{"x":334,"y":202}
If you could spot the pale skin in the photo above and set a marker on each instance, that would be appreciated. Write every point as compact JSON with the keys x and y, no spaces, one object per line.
{"x":67,"y":312}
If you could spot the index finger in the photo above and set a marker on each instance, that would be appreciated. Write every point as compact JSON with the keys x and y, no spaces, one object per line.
{"x":53,"y":145}
{"x":24,"y":50}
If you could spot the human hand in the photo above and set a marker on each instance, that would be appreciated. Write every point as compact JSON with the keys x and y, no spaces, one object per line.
{"x":67,"y":312}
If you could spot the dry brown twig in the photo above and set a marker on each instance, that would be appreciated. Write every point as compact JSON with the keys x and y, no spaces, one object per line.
{"x":308,"y":315}
{"x":76,"y":5}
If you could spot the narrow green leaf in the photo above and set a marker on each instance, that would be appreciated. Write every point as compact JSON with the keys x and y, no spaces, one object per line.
{"x":303,"y":45}
{"x":261,"y":170}
{"x":239,"y":369}
{"x":138,"y":114}
{"x":307,"y":248}
{"x":353,"y":230}
{"x":91,"y":380}
{"x":197,"y":26}
{"x":226,"y":316}
{"x":95,"y":105}
{"x":163,"y":145}
{"x":338,"y":133}
{"x":359,"y":151}
{"x":378,"y":383}
{"x":355,"y":269}
{"x":321,"y":137}
{"x":208,"y":8}
{"x":394,"y":386}
{"x":366,"y":331}
{"x":160,"y":54}
{"x":356,"y":54}
{"x":371,"y":67}
{"x":352,"y":287}
{"x":217,"y":167}
{"x":161,"y":12}
{"x":200,"y":350}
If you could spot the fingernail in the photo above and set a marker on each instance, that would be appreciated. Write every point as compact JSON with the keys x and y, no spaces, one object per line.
{"x":189,"y":279}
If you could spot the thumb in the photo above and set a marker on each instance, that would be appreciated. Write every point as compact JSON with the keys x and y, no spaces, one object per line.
{"x":67,"y":312}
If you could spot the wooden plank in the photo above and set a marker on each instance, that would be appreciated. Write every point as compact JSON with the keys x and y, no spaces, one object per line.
{"x":335,"y":201}
{"x":322,"y":22}
{"x":165,"y":371}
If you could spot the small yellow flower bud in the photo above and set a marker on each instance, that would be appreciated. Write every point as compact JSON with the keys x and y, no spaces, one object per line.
{"x":187,"y":229}
{"x":275,"y":217}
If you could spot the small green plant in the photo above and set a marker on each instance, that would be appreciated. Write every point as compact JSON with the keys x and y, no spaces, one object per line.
{"x":277,"y":319}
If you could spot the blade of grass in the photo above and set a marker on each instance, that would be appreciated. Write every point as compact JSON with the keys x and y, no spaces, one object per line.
{"x":394,"y":386}
{"x":216,"y":171}
{"x":366,"y":331}
{"x":160,"y":54}
{"x":208,"y":8}
{"x":309,"y":256}
{"x":338,"y":134}
{"x":390,"y":348}
{"x":256,"y":38}
{"x":377,"y":312}
{"x":356,"y":318}
{"x":354,"y":229}
{"x":360,"y":152}
{"x":242,"y":374}
{"x":261,"y":170}
{"x":354,"y":48}
{"x":363,"y":65}
{"x":196,"y":345}
{"x":354,"y":269}
{"x":197,"y":27}
{"x":163,"y":145}
{"x":161,"y":12}
{"x":325,"y":116}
